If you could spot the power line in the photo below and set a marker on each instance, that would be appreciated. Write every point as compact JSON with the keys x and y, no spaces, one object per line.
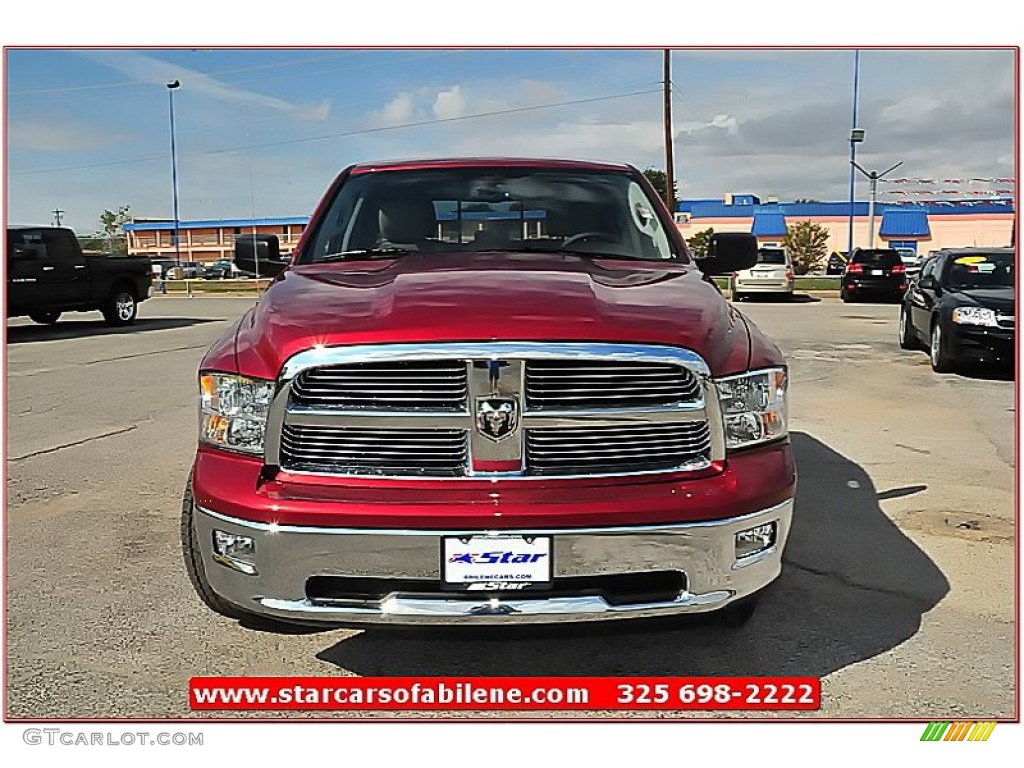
{"x":343,"y":134}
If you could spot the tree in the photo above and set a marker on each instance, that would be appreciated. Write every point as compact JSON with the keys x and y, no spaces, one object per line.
{"x":807,"y":244}
{"x":110,"y":223}
{"x":701,"y":242}
{"x":659,"y":180}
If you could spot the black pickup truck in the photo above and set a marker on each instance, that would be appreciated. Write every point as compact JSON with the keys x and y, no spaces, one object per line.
{"x":47,"y":274}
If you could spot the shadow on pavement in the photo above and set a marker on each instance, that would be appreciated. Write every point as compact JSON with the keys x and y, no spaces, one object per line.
{"x":853,"y":586}
{"x":74,"y":329}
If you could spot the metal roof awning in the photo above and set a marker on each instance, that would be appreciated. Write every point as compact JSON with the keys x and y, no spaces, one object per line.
{"x":904,"y":222}
{"x":769,"y":221}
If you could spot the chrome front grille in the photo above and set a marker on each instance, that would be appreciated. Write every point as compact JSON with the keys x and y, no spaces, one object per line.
{"x":604,"y":384}
{"x":584,"y":450}
{"x":404,"y":385}
{"x":501,"y":409}
{"x":348,"y":450}
{"x":1005,"y":321}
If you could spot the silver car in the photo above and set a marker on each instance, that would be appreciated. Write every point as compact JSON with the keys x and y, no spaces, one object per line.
{"x":773,"y":273}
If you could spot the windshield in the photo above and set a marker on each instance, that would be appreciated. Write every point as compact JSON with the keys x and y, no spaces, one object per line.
{"x":389,"y":213}
{"x":981,"y":270}
{"x":771,"y":256}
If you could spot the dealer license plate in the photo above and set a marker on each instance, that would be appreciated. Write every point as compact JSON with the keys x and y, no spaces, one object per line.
{"x":495,"y":563}
{"x":877,"y":272}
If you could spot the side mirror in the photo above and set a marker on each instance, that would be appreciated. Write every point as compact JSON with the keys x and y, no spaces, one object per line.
{"x":729,"y":252}
{"x":259,"y":254}
{"x":926,"y":282}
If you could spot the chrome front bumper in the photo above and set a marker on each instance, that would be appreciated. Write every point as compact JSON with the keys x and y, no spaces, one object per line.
{"x":286,"y":556}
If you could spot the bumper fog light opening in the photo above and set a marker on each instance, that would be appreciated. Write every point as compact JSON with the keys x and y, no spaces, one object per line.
{"x":754,"y":541}
{"x":235,"y":551}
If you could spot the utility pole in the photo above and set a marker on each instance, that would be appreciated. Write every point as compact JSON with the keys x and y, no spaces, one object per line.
{"x":58,"y":214}
{"x":873,"y":177}
{"x":856,"y":136}
{"x":670,"y":184}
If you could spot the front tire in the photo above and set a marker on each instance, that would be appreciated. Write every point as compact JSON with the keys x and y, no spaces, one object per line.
{"x":942,"y":361}
{"x":197,"y":575}
{"x":121,"y":308}
{"x":907,"y":335}
{"x":45,"y":318}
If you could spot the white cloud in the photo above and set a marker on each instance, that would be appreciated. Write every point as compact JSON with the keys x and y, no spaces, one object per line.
{"x":450,"y":103}
{"x":58,"y":134}
{"x":145,"y":67}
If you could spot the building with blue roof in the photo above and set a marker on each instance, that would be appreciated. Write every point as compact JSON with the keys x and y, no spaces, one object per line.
{"x":921,"y":226}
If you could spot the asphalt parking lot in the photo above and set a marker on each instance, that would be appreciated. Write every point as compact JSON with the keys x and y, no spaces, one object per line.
{"x":898,"y":589}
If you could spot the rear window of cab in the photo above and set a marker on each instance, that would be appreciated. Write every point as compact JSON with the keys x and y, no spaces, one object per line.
{"x":878,"y":257}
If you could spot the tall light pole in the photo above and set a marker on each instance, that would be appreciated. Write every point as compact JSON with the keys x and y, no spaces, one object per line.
{"x":670,"y":182}
{"x":873,"y":177}
{"x":856,"y":136}
{"x":171,"y":87}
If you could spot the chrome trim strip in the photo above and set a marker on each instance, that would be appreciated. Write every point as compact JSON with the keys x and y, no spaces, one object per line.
{"x":620,"y":529}
{"x":367,"y":353}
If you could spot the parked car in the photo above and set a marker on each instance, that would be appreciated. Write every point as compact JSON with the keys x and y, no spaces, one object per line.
{"x":224,"y":269}
{"x":836,"y":264}
{"x":490,"y":391}
{"x":773,"y":274}
{"x":875,"y":272}
{"x":911,"y":261}
{"x":186,"y":270}
{"x":961,"y":308}
{"x":48,"y":274}
{"x":161,"y":267}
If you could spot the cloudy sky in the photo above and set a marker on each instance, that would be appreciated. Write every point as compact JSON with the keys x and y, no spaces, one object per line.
{"x":263,"y":131}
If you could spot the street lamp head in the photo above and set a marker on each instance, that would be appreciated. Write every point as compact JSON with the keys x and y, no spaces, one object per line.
{"x":173,"y":84}
{"x":856,"y":135}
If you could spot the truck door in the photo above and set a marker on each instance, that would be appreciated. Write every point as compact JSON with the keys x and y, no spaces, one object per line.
{"x":65,"y":273}
{"x":26,"y":255}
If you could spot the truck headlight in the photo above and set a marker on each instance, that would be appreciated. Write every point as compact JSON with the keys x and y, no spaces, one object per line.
{"x":233,"y":411}
{"x":975,"y":316}
{"x":753,"y":407}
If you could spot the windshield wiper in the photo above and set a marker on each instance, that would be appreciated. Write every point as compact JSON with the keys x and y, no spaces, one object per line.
{"x":606,"y":255}
{"x":372,"y":253}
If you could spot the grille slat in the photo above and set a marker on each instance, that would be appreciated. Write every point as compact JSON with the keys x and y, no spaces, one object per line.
{"x":359,"y":451}
{"x":562,"y":384}
{"x":440,"y":385}
{"x":579,"y":450}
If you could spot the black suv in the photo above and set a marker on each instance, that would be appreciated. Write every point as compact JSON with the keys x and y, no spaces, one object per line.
{"x":962,"y":307}
{"x":875,"y":271}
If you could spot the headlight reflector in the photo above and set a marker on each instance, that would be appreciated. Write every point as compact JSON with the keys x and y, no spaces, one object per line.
{"x":233,"y":411}
{"x":753,"y":407}
{"x":975,"y":316}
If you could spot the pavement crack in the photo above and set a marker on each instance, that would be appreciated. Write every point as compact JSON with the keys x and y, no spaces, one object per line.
{"x":855,"y":585}
{"x":72,"y":444}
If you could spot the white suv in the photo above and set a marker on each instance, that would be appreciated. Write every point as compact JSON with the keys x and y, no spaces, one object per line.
{"x":773,"y":273}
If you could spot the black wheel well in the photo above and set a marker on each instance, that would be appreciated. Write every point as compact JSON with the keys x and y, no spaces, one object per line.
{"x":123,"y":283}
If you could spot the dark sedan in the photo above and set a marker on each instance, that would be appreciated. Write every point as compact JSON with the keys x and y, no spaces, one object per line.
{"x":875,"y":272}
{"x":961,"y":308}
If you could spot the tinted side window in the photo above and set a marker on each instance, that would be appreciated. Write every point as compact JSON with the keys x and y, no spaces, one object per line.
{"x":60,"y":246}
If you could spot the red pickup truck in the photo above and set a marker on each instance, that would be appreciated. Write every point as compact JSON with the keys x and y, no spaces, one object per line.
{"x":490,"y":391}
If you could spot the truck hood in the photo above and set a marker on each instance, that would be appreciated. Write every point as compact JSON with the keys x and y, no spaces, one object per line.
{"x":487,"y":297}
